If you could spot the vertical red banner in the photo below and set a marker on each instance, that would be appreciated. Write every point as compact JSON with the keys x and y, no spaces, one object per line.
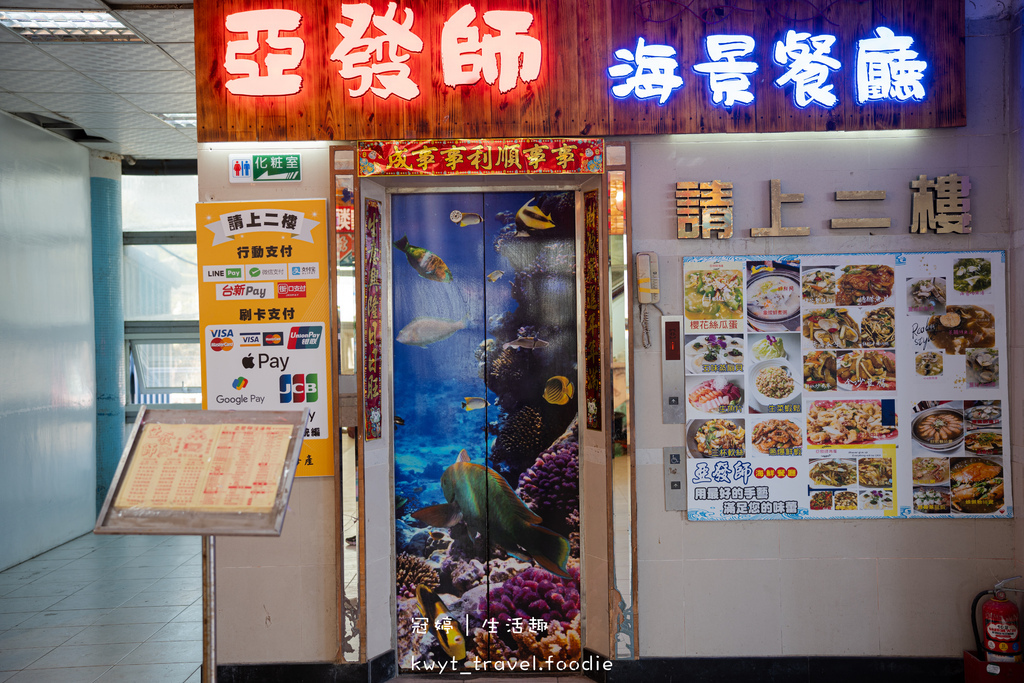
{"x":372,"y":320}
{"x":592,"y":308}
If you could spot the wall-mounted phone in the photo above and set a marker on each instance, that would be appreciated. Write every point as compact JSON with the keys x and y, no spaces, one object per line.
{"x":648,"y":290}
{"x":647,"y":282}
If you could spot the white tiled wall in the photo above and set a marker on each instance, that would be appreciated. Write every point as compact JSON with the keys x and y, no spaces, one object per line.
{"x":839,"y":587}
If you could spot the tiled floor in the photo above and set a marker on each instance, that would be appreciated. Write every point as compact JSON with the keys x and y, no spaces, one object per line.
{"x":104,"y":608}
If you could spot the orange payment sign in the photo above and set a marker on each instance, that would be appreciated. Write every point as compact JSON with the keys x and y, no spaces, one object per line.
{"x":265,"y":315}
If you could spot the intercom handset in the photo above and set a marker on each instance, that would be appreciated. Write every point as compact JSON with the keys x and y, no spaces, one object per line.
{"x":647,"y":281}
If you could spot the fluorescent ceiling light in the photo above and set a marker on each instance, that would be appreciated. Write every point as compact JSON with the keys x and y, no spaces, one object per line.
{"x":73,"y":27}
{"x":179,"y":120}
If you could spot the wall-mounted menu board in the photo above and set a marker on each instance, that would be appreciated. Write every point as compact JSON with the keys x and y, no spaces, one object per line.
{"x":836,"y":386}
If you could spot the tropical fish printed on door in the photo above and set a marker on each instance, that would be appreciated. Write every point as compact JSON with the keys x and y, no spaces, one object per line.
{"x":486,"y":453}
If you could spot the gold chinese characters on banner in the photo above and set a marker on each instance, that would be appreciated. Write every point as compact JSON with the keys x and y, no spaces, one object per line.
{"x":703,"y":208}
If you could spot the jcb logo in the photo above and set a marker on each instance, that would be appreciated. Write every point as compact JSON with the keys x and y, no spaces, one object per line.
{"x":299,"y":388}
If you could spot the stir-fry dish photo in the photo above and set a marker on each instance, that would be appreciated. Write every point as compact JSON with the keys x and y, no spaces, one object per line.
{"x":821,"y":500}
{"x":878,"y":328}
{"x":928,"y":364}
{"x":847,"y":422}
{"x":774,"y":436}
{"x":977,"y":485}
{"x":716,"y":438}
{"x":864,"y":285}
{"x":846,"y":500}
{"x":867,"y":370}
{"x":972,"y":275}
{"x":961,"y":328}
{"x":820,"y":371}
{"x":819,"y":286}
{"x":931,"y":470}
{"x":831,"y":328}
{"x":984,"y":443}
{"x":833,"y":472}
{"x":874,"y":472}
{"x":713,"y":294}
{"x":775,"y":382}
{"x":926,"y":295}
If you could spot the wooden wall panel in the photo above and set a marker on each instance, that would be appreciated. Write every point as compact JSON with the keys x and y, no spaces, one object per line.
{"x":572,"y":96}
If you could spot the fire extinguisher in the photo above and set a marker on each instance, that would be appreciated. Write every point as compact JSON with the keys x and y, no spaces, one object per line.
{"x":1000,"y":636}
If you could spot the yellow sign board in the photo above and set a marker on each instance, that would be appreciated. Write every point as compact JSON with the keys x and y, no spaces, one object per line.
{"x":265,"y":315}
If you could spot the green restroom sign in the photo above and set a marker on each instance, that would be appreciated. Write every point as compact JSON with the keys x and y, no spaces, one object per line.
{"x":276,"y":167}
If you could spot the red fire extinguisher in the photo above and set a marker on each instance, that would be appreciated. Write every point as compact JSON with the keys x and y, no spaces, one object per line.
{"x":1000,"y":636}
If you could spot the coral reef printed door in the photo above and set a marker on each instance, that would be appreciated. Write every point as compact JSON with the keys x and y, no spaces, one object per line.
{"x":486,"y":454}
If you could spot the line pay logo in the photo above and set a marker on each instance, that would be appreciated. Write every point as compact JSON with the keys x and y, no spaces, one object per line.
{"x":299,"y":388}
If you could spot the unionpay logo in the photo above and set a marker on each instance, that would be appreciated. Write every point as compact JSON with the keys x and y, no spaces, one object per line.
{"x":240,"y":383}
{"x":299,"y":388}
{"x":305,"y":337}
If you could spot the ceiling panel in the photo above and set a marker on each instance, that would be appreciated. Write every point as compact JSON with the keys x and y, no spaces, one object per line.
{"x":9,"y":102}
{"x":146,"y":81}
{"x":162,"y":26}
{"x":132,"y":137}
{"x":118,"y":120}
{"x":185,"y":53}
{"x":47,"y":81}
{"x":87,"y":57}
{"x":8,"y":36}
{"x":83,"y":102}
{"x":55,"y":4}
{"x":181,"y":103}
{"x":26,"y":57}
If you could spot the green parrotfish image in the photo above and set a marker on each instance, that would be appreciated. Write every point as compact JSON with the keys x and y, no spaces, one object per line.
{"x":428,"y":264}
{"x":480,"y":497}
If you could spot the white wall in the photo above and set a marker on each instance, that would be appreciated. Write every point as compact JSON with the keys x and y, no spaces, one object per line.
{"x":47,"y":373}
{"x":867,"y":587}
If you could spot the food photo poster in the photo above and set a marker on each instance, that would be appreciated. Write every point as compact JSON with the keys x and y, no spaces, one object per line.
{"x":839,"y":386}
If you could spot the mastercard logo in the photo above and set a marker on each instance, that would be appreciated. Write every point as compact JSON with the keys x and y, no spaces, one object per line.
{"x":272,"y":339}
{"x":222,"y":344}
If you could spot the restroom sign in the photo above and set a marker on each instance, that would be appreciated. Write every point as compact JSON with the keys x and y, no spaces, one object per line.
{"x":261,"y":168}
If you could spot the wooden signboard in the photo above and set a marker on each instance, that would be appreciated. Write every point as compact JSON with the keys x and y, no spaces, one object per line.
{"x":306,"y":70}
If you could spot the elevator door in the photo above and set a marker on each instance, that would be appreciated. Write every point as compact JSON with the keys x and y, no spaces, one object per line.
{"x":485,"y":429}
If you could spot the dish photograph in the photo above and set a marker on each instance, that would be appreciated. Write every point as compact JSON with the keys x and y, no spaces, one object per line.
{"x":983,"y":413}
{"x":716,"y":438}
{"x":984,"y":443}
{"x":864,"y":285}
{"x":977,"y":485}
{"x":926,"y":295}
{"x":867,"y":370}
{"x":768,"y":348}
{"x":820,"y":371}
{"x":972,"y":275}
{"x":930,"y":471}
{"x":712,"y":353}
{"x":876,"y":499}
{"x":878,"y":328}
{"x":961,"y":328}
{"x":833,"y":472}
{"x":845,"y":500}
{"x":774,"y":382}
{"x":938,"y":429}
{"x":847,"y":422}
{"x":983,"y":367}
{"x":874,"y":472}
{"x":773,"y":299}
{"x":831,"y":328}
{"x":821,"y":500}
{"x":928,"y":364}
{"x":818,"y":286}
{"x":777,"y":437}
{"x":717,"y":395}
{"x":713,"y":294}
{"x":931,"y":500}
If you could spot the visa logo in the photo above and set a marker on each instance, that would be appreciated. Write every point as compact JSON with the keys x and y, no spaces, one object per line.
{"x":222,"y":333}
